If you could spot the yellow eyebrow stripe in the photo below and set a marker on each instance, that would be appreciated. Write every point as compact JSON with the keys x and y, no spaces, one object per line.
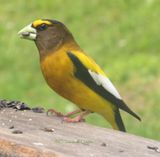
{"x":39,"y":22}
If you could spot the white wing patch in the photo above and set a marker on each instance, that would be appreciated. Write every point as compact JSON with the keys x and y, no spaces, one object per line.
{"x":105,"y":83}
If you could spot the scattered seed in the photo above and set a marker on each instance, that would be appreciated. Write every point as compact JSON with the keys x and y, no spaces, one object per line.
{"x":103,"y":144}
{"x":13,"y":104}
{"x":11,"y":127}
{"x":48,"y":130}
{"x":17,"y":132}
{"x":38,"y":109}
{"x":154,"y":148}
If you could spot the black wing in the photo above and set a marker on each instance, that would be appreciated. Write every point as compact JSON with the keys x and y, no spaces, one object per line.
{"x":83,"y":74}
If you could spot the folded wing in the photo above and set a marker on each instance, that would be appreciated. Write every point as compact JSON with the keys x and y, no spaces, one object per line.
{"x":97,"y":82}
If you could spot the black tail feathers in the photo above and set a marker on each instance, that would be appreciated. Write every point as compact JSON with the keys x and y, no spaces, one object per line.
{"x":119,"y":121}
{"x":124,"y":107}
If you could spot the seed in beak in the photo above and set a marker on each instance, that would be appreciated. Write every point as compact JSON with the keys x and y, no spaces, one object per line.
{"x":25,"y":34}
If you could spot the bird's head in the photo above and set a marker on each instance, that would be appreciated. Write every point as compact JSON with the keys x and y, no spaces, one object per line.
{"x":47,"y":34}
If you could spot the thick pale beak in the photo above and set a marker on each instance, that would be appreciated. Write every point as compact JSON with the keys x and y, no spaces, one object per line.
{"x":28,"y":32}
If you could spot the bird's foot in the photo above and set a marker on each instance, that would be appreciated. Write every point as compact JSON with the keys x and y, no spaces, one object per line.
{"x":59,"y":114}
{"x":54,"y":112}
{"x":73,"y":113}
{"x":79,"y":118}
{"x":74,"y":120}
{"x":66,"y":117}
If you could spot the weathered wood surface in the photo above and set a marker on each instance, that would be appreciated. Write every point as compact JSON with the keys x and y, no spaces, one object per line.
{"x":39,"y":135}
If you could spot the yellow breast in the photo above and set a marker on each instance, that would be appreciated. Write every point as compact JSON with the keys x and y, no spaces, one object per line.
{"x":57,"y":69}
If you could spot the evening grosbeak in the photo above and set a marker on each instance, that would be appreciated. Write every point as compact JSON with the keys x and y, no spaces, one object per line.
{"x":74,"y":75}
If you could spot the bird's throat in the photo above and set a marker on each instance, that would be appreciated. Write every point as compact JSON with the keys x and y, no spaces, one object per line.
{"x":45,"y":50}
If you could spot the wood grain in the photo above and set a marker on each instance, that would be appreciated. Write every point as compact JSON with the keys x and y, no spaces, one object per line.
{"x":29,"y":134}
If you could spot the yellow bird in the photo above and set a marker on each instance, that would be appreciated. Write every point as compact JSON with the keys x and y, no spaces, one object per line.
{"x":73,"y":74}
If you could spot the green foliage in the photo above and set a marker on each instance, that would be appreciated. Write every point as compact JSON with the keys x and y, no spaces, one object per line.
{"x":123,"y":37}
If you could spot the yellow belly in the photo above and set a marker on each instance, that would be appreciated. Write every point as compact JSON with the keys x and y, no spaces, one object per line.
{"x":58,"y":71}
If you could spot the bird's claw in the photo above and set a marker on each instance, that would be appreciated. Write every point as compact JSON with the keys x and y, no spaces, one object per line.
{"x":53,"y":112}
{"x":66,"y":117}
{"x":74,"y":120}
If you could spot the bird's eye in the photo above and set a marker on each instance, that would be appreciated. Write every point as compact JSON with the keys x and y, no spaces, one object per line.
{"x":42,"y":27}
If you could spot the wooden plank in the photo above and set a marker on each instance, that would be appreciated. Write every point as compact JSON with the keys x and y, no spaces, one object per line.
{"x":27,"y":134}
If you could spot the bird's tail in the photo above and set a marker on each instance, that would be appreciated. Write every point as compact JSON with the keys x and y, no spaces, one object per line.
{"x":119,"y":125}
{"x":114,"y":118}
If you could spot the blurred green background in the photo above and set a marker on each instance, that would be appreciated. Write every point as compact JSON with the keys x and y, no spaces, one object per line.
{"x":122,"y":36}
